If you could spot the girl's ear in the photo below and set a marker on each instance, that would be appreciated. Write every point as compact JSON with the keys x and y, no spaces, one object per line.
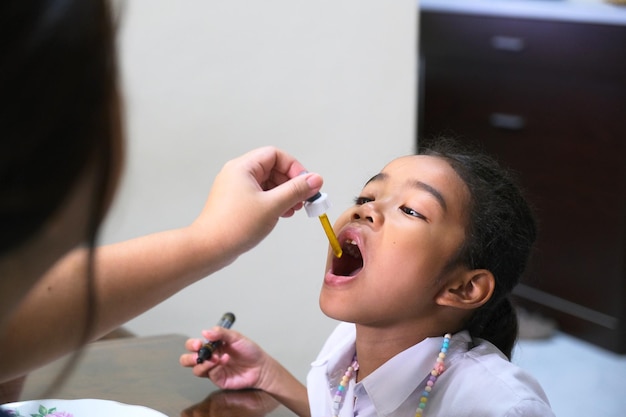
{"x":468,"y":290}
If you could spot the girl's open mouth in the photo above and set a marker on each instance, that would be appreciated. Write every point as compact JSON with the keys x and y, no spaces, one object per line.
{"x":351,"y":262}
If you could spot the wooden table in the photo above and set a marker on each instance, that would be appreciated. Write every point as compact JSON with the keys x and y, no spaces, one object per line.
{"x":145,"y":371}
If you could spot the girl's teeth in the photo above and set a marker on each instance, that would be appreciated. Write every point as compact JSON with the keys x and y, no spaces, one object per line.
{"x":353,"y":249}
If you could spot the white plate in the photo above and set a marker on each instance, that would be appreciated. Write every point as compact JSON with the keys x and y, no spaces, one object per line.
{"x":79,"y":408}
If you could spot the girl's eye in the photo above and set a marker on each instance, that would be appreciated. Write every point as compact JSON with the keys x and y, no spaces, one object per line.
{"x":411,"y":212}
{"x":359,"y":201}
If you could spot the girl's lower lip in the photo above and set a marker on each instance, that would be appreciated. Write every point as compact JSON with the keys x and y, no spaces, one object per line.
{"x":338,"y":280}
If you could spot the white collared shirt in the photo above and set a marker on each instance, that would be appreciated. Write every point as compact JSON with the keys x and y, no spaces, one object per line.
{"x":478,"y":381}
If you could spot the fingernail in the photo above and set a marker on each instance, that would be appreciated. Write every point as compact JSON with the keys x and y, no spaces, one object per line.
{"x":314,"y":181}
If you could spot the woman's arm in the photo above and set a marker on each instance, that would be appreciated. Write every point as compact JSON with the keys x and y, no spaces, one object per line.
{"x":247,"y":198}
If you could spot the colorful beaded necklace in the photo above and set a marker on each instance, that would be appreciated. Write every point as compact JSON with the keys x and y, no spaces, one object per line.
{"x":437,"y":370}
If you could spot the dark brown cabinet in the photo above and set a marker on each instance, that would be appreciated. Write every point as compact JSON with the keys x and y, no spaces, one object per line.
{"x":548,"y":99}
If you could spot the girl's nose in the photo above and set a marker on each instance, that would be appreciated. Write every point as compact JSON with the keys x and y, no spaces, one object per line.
{"x":367,"y":212}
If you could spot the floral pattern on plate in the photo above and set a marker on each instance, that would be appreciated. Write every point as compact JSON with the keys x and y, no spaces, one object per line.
{"x":77,"y":408}
{"x":43,"y":412}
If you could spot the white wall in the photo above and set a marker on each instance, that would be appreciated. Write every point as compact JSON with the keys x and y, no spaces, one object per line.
{"x":330,"y":81}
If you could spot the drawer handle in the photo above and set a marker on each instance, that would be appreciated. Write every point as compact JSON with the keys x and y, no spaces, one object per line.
{"x":508,"y":43}
{"x":507,"y":121}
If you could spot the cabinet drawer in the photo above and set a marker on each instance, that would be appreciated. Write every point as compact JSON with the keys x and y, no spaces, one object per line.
{"x":521,"y":43}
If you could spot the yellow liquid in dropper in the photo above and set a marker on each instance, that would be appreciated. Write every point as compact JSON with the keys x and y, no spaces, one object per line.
{"x":332,"y":238}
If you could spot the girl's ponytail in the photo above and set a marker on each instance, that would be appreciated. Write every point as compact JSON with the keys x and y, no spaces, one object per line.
{"x":497,"y":323}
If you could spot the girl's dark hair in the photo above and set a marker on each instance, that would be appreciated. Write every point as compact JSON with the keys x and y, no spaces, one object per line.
{"x":500,"y":233}
{"x":59,"y":117}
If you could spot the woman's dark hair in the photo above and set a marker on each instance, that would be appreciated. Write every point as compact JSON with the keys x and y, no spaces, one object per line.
{"x":59,"y":117}
{"x":500,"y":233}
{"x":59,"y":110}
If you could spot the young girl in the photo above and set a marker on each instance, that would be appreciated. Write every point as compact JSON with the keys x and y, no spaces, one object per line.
{"x":432,"y":248}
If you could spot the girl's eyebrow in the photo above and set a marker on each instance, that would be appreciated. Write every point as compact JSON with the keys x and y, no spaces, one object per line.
{"x":431,"y":190}
{"x":418,"y":185}
{"x":377,"y":177}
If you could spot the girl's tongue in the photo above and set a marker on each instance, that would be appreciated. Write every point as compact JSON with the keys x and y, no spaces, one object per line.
{"x":351,"y":262}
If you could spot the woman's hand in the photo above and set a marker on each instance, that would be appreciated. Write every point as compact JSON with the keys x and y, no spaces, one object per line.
{"x":249,"y":195}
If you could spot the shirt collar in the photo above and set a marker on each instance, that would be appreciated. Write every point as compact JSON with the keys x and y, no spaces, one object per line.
{"x":389,"y":386}
{"x":339,"y":350}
